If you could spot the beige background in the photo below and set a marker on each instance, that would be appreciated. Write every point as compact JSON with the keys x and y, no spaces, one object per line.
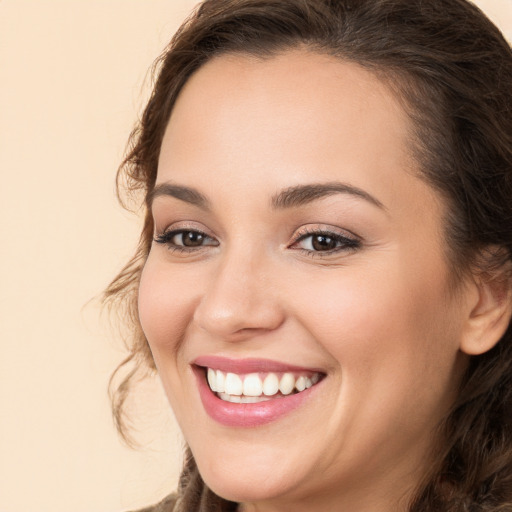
{"x":72,"y":76}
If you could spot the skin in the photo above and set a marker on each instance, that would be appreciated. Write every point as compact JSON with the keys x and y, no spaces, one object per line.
{"x":380,"y":320}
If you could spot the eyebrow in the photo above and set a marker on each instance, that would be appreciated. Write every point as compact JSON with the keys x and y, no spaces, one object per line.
{"x":186,"y":194}
{"x":303,"y":194}
{"x":290,"y":197}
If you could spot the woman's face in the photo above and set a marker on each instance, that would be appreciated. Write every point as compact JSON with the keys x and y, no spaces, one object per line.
{"x":296,"y":244}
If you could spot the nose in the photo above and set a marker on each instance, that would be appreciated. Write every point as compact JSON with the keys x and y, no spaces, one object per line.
{"x":240,"y":300}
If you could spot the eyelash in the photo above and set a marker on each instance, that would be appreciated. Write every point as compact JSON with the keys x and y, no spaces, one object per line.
{"x":343,"y":242}
{"x":166,"y":239}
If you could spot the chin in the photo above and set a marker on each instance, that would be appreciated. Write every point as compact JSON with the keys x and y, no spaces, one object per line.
{"x":252,"y":481}
{"x":246,"y":490}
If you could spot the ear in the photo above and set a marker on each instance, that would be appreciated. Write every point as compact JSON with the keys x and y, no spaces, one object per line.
{"x":490,"y":311}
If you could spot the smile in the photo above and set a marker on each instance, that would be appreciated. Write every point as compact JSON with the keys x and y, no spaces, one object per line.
{"x":252,"y":392}
{"x":258,"y":387}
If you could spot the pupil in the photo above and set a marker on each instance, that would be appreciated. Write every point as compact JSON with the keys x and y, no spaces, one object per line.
{"x":323,"y":243}
{"x":192,"y":239}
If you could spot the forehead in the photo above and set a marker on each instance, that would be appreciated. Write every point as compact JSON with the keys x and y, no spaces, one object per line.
{"x":296,"y":85}
{"x":293,"y":117}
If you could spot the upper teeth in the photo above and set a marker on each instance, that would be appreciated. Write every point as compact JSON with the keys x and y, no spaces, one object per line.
{"x":256,"y":384}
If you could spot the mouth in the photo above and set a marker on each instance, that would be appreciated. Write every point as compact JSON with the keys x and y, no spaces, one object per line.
{"x":252,"y":392}
{"x":258,"y":387}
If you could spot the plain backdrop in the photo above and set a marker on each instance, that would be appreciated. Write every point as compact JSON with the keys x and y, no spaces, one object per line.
{"x":73,"y":78}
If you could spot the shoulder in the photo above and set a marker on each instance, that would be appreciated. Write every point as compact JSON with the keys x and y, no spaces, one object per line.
{"x":166,"y":505}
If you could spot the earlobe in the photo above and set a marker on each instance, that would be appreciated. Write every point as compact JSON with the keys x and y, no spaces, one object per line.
{"x":490,"y":313}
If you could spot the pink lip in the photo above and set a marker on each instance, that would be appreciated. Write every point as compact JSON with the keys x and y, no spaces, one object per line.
{"x":246,"y":415}
{"x":242,"y":366}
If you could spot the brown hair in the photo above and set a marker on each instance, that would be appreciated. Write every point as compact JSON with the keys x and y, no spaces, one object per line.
{"x":453,"y":70}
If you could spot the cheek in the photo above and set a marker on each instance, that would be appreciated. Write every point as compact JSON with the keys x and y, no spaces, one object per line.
{"x":390,"y":330}
{"x":166,"y":304}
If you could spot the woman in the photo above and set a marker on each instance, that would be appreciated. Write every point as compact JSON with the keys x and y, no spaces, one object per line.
{"x":323,"y":278}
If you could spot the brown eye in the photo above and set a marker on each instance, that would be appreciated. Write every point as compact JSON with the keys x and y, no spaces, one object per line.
{"x":189,"y":238}
{"x":323,"y":243}
{"x":326,"y":242}
{"x":184,"y":239}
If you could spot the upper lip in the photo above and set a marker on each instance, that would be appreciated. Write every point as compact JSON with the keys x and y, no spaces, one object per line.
{"x":248,"y":365}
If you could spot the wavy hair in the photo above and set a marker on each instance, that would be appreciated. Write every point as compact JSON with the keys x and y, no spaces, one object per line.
{"x":452,"y":69}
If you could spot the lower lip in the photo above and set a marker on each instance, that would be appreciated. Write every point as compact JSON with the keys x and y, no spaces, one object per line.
{"x":247,"y":415}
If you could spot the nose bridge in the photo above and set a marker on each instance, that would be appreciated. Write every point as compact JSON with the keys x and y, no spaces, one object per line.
{"x":240,"y":296}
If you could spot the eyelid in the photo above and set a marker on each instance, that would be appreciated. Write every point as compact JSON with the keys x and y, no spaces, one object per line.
{"x":165,"y":236}
{"x":344,"y":240}
{"x":168,"y":234}
{"x":325,"y":229}
{"x":184,"y":226}
{"x":348,"y":241}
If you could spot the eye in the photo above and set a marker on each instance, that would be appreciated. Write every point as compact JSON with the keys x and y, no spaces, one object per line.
{"x":325,"y":242}
{"x":185,"y":239}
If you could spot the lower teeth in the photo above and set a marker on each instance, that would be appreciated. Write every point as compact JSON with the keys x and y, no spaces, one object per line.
{"x":242,"y":399}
